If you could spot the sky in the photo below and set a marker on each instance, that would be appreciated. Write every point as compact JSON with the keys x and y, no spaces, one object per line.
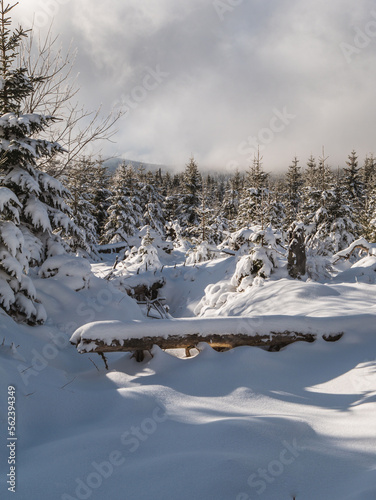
{"x":216,"y":79}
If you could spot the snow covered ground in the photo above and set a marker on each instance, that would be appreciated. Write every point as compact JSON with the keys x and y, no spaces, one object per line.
{"x":239,"y":425}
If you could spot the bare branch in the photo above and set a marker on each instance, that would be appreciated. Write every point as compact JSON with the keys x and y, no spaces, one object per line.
{"x":80,"y":132}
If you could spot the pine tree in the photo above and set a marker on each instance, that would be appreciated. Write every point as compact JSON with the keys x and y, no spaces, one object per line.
{"x":171,"y":198}
{"x":146,"y":257}
{"x":232,"y":197}
{"x":80,"y":180}
{"x":369,"y":217}
{"x":324,"y":175}
{"x":368,"y":176}
{"x":261,"y":261}
{"x":311,"y":201}
{"x":353,"y":189}
{"x":275,"y":209}
{"x":32,"y":206}
{"x":294,"y":184}
{"x":124,"y":213}
{"x":342,"y":228}
{"x":190,"y":198}
{"x":101,"y":195}
{"x":368,"y":211}
{"x":254,"y":198}
{"x":311,"y":172}
{"x":151,"y":202}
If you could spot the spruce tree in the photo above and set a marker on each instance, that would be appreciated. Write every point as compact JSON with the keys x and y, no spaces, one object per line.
{"x":101,"y":195}
{"x":231,"y":200}
{"x":145,"y":258}
{"x":311,"y":197}
{"x":293,"y":198}
{"x":353,"y":189}
{"x":190,"y":198}
{"x":151,"y":202}
{"x":342,"y":228}
{"x":80,"y":180}
{"x":254,"y":198}
{"x":124,"y":213}
{"x":171,"y":198}
{"x":33,"y":212}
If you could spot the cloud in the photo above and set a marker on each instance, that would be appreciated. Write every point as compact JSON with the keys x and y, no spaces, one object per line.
{"x":227,"y":74}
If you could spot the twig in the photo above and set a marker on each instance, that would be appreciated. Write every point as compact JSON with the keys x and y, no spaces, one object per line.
{"x":74,"y":378}
{"x":104,"y":359}
{"x":25,"y":370}
{"x":94,"y":364}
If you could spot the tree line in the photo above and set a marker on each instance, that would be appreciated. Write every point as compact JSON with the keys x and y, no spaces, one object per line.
{"x":335,"y":207}
{"x":50,"y":206}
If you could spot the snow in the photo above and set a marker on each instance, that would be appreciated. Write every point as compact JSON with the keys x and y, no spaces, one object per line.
{"x":23,"y":179}
{"x":50,"y":183}
{"x":37,"y":212}
{"x":7,"y":196}
{"x":12,"y":237}
{"x":204,"y":251}
{"x":10,"y":264}
{"x":75,"y":272}
{"x":286,"y":296}
{"x":347,"y":251}
{"x":145,"y":258}
{"x":6,"y":293}
{"x":237,"y":425}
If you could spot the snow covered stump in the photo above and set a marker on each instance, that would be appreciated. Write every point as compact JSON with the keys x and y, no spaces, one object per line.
{"x":273,"y":333}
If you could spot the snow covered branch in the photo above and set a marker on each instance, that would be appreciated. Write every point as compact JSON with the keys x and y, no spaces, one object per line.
{"x":360,"y":244}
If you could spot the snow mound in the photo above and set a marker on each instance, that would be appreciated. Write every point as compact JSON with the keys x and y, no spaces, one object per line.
{"x":74,"y":272}
{"x":363,"y":271}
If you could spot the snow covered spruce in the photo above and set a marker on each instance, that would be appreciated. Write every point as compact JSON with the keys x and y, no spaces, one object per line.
{"x":33,"y":212}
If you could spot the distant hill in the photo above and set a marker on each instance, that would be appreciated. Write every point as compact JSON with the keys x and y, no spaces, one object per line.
{"x":113,"y":163}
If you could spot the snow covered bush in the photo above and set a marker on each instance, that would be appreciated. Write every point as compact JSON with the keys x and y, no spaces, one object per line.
{"x":201,"y":253}
{"x":250,"y":269}
{"x":318,"y":266}
{"x":145,"y":258}
{"x":239,"y":241}
{"x":262,"y":259}
{"x":159,"y":241}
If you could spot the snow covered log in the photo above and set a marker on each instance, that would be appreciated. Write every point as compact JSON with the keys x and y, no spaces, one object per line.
{"x":272,"y":332}
{"x":275,"y":340}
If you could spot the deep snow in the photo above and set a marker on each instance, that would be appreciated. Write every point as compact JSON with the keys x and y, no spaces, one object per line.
{"x":243,"y":424}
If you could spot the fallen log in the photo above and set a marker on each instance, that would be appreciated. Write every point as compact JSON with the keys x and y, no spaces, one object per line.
{"x":273,"y":341}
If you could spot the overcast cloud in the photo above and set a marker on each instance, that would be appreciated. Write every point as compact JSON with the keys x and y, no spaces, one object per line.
{"x":206,"y":77}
